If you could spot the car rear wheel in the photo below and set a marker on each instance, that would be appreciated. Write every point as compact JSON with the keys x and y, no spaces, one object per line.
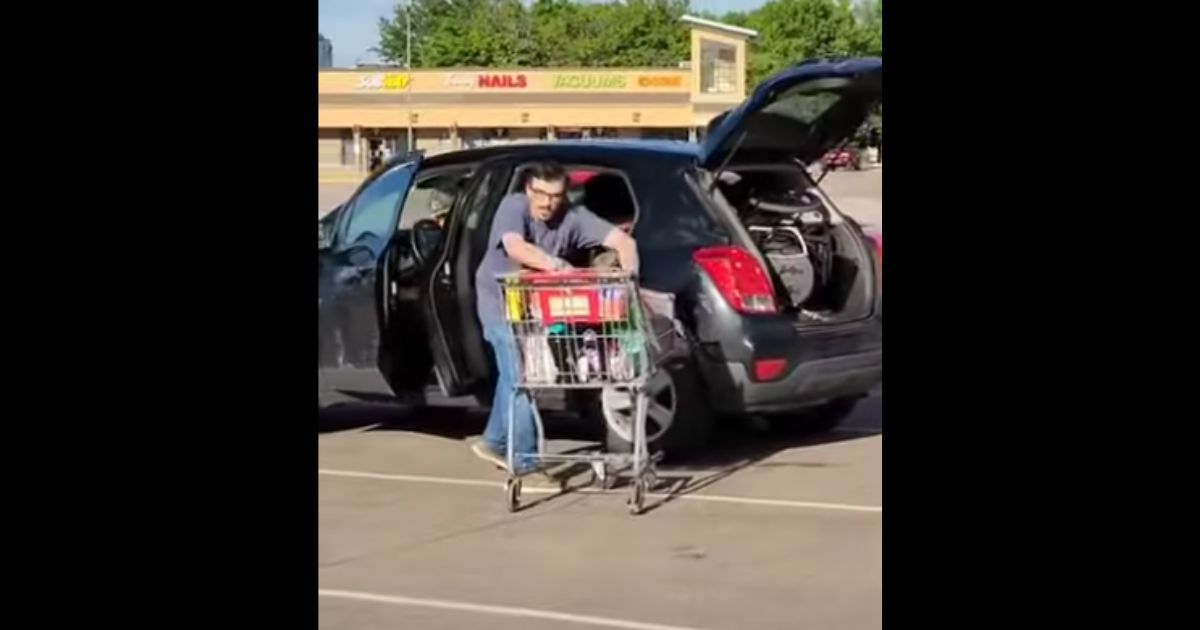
{"x":679,"y":419}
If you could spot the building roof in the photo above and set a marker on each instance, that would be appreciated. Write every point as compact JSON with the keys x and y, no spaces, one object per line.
{"x":719,"y":26}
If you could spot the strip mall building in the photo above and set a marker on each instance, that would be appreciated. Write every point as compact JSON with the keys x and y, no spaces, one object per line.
{"x":437,"y":110}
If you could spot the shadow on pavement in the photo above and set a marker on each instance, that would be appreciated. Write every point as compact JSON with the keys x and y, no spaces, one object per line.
{"x":753,"y":442}
{"x":454,"y":420}
{"x":736,"y":446}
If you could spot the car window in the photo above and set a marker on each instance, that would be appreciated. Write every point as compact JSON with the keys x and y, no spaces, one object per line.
{"x":371,"y":217}
{"x":475,"y":206}
{"x":432,"y":197}
{"x":678,"y":219}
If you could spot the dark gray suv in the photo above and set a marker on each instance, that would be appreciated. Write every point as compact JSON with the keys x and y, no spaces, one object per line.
{"x":779,"y":294}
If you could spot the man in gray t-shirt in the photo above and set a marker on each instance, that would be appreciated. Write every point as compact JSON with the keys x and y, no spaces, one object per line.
{"x":531,"y":230}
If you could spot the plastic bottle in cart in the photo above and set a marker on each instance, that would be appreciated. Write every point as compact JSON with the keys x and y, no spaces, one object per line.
{"x":617,"y":312}
{"x":618,"y":363}
{"x":513,"y":302}
{"x":535,"y":306}
{"x":588,"y":361}
{"x":593,"y":355}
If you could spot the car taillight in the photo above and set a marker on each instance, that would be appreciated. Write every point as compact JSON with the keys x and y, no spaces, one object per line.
{"x":878,"y":240}
{"x":769,"y":369}
{"x":739,"y":278}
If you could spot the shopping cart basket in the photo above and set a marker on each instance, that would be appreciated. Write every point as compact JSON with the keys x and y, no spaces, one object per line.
{"x":581,"y":330}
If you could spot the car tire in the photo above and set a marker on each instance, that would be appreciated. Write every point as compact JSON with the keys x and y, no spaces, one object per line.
{"x":680,"y":420}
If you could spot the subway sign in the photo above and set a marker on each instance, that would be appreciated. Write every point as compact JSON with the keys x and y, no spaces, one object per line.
{"x":386,"y":82}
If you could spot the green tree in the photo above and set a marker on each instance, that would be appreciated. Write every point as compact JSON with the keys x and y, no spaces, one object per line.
{"x":793,"y":30}
{"x":550,"y":33}
{"x":629,"y":33}
{"x":459,"y":33}
{"x":870,"y":20}
{"x":634,"y":33}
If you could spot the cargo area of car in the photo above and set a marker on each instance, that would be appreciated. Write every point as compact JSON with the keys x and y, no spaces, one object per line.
{"x":821,"y":270}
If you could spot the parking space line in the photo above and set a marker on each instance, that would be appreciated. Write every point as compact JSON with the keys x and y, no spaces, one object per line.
{"x":413,"y":478}
{"x":875,"y":509}
{"x":507,"y":611}
{"x":712,"y":498}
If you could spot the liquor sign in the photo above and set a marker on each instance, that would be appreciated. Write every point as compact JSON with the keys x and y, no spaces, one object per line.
{"x":386,"y":82}
{"x":660,"y":81}
{"x":590,"y":82}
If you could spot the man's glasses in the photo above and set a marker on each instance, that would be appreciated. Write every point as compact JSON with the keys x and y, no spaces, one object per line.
{"x":545,"y":194}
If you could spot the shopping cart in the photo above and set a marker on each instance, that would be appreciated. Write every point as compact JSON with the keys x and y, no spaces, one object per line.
{"x":581,"y":330}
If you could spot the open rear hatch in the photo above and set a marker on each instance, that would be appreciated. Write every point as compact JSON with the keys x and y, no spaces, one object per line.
{"x":796,"y":114}
{"x":818,"y":265}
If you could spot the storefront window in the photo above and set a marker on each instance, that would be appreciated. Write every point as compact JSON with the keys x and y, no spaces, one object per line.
{"x":665,"y":133}
{"x":718,"y":68}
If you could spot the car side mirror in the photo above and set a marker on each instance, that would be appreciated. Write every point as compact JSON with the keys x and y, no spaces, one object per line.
{"x":325,"y":229}
{"x":324,"y":236}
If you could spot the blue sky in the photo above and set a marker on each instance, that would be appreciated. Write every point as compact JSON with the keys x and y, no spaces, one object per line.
{"x":351,"y":24}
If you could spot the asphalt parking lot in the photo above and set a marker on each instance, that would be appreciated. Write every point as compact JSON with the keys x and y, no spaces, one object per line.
{"x":771,"y":529}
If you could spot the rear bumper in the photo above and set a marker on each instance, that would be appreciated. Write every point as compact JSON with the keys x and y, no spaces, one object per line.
{"x":733,"y":391}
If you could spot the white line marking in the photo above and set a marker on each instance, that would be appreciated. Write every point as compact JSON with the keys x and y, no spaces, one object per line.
{"x":413,"y":478}
{"x":712,"y":498}
{"x":508,"y":611}
{"x":874,"y":509}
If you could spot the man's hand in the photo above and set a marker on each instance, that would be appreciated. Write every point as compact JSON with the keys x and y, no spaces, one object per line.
{"x":626,"y":249}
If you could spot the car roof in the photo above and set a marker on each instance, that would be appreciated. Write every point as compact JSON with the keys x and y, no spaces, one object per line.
{"x":566,"y":150}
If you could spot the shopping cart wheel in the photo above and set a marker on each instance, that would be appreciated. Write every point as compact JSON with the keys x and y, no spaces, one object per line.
{"x":638,"y":500}
{"x":601,"y":478}
{"x":651,"y":480}
{"x":512,"y":493}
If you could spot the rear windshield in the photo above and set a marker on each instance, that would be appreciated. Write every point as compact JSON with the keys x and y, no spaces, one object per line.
{"x":808,"y":101}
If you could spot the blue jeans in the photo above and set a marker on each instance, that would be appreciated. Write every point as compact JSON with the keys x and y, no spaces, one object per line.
{"x":495,"y":435}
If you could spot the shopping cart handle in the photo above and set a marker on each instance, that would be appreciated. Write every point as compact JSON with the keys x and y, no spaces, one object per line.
{"x":572,"y":274}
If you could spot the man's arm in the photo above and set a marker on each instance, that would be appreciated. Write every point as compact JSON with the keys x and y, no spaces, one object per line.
{"x":626,"y":248}
{"x":530,"y":255}
{"x":591,"y":230}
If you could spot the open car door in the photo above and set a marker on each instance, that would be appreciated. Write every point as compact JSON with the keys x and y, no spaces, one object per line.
{"x":351,"y":281}
{"x":461,"y":359}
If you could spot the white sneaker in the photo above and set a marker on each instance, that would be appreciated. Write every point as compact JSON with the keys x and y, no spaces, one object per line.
{"x":485,"y":452}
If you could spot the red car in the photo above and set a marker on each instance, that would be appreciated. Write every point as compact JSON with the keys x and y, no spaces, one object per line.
{"x":844,"y":157}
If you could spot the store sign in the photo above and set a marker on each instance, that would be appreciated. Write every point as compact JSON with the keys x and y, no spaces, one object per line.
{"x":461,"y":81}
{"x":590,"y":82}
{"x":514,"y":81}
{"x":487,"y":81}
{"x":660,"y":81}
{"x":387,"y":82}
